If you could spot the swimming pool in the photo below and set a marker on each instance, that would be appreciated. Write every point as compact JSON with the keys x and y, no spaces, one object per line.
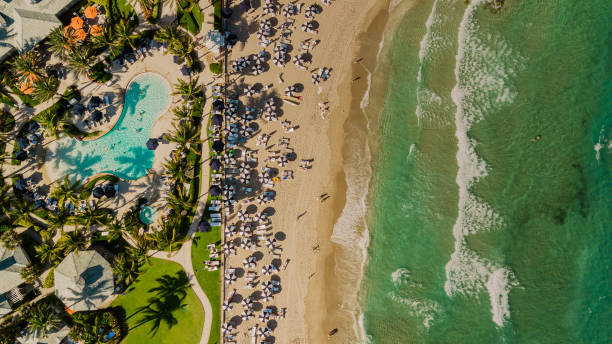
{"x":148,"y":214}
{"x":122,"y":150}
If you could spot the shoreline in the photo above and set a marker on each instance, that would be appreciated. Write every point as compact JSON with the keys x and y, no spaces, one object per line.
{"x":357,"y":99}
{"x":327,"y":308}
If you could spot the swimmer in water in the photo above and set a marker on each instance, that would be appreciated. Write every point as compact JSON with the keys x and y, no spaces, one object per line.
{"x":537,"y":138}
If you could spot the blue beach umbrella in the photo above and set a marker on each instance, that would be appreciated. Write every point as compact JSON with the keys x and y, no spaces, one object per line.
{"x":152,"y":144}
{"x":216,"y":120}
{"x":214,"y":190}
{"x":21,"y":155}
{"x":215,"y":164}
{"x":109,"y":190}
{"x":98,"y":192}
{"x":217,"y":146}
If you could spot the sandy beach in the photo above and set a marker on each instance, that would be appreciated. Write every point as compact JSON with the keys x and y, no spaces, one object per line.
{"x":333,"y":293}
{"x":308,"y":285}
{"x":313,"y":292}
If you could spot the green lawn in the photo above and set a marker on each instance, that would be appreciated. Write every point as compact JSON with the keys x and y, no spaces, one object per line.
{"x":182,"y":308}
{"x":210,"y":281}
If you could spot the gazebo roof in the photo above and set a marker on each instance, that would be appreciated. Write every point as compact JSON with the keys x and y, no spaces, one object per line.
{"x":11,"y":263}
{"x":83,"y":280}
{"x":26,"y":23}
{"x":51,"y":337}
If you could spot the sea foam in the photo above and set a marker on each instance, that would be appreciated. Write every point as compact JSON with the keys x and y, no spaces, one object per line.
{"x":421,"y":308}
{"x":432,"y":41}
{"x":481,"y":72}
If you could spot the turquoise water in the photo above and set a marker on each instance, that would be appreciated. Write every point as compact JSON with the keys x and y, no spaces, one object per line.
{"x":122,"y":150}
{"x":477,"y":233}
{"x":148,"y":215}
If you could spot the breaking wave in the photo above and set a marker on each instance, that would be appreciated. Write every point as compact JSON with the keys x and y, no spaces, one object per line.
{"x":483,"y":66}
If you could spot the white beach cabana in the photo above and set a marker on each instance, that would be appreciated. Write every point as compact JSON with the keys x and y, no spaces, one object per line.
{"x":83,"y":280}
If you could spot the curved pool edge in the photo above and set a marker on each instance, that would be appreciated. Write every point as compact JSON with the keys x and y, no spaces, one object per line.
{"x":162,"y":113}
{"x":121,"y":106}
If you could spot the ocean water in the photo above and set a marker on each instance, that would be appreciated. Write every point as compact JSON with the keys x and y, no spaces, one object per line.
{"x":122,"y":151}
{"x":477,"y":232}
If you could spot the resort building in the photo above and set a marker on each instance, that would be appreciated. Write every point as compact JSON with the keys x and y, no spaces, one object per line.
{"x":11,"y":263}
{"x":24,"y":23}
{"x":83,"y":281}
{"x":37,"y":336}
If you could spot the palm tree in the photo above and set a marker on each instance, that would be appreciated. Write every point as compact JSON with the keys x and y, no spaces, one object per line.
{"x":47,"y":252}
{"x":183,"y":50}
{"x":179,"y":203}
{"x":90,"y":327}
{"x":176,"y":171}
{"x":114,"y":230}
{"x":140,"y":250}
{"x":27,"y":66}
{"x":145,"y":5}
{"x":57,"y":219}
{"x":59,"y":42}
{"x":125,"y":267}
{"x":72,"y":241}
{"x":188,"y":89}
{"x":42,"y":318}
{"x":21,"y":213}
{"x":183,"y":112}
{"x":124,"y":33}
{"x":30,"y":273}
{"x":5,"y":198}
{"x":107,"y":39}
{"x":10,"y":239}
{"x":81,"y":60}
{"x":93,"y":215}
{"x":52,"y":121}
{"x":160,"y":239}
{"x":66,"y":191}
{"x":186,"y":137}
{"x":46,"y":88}
{"x":170,"y":34}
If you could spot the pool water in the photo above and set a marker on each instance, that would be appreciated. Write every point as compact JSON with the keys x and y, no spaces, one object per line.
{"x":148,"y":215}
{"x":122,"y":150}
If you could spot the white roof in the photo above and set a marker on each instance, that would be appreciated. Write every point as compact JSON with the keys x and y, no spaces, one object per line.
{"x":83,"y":280}
{"x":11,"y":263}
{"x":5,"y":307}
{"x":51,"y":337}
{"x":23,"y":24}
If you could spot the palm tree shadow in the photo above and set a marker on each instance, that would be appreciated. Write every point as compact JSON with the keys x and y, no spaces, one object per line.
{"x":170,"y":291}
{"x":77,"y":164}
{"x":135,"y":163}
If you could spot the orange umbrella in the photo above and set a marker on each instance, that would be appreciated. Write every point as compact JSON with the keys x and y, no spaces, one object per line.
{"x":33,"y":78}
{"x":25,"y":88}
{"x":90,"y":12}
{"x":76,"y":23}
{"x":79,"y":35}
{"x":96,"y":30}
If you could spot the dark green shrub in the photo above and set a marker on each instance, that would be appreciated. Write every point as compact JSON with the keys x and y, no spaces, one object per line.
{"x":215,"y":68}
{"x":99,"y":74}
{"x":49,"y":281}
